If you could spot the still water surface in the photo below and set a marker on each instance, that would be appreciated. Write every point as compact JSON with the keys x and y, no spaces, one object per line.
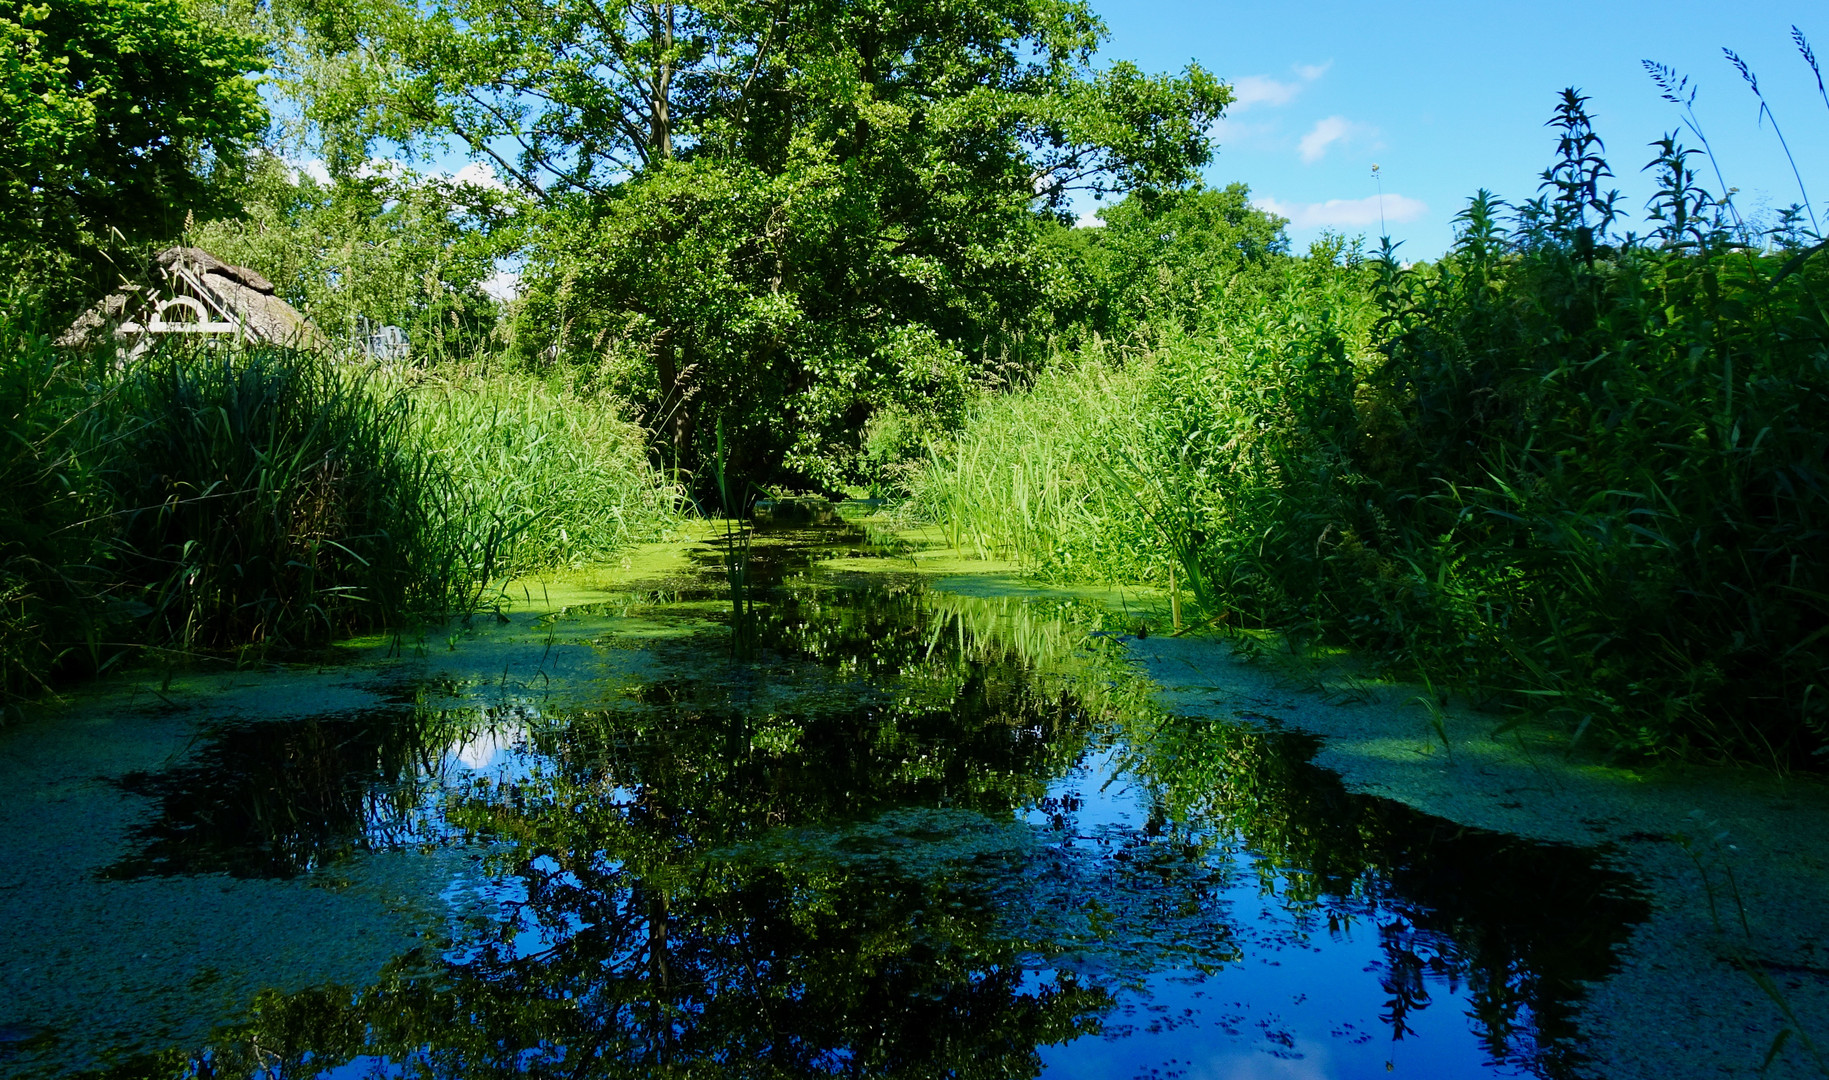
{"x":918,"y":834}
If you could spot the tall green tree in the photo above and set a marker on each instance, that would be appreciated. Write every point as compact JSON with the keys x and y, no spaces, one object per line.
{"x":1167,"y":258}
{"x":119,"y":116}
{"x":778,"y":216}
{"x":359,"y":252}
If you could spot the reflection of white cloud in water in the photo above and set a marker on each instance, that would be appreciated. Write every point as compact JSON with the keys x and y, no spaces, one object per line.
{"x":1257,"y":1065}
{"x":484,"y":748}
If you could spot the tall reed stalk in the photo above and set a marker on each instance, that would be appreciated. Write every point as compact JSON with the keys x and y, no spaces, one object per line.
{"x":268,"y":497}
{"x":1576,"y":474}
{"x":734,"y":504}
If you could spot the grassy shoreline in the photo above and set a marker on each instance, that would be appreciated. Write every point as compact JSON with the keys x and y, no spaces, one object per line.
{"x":264,"y":501}
{"x":1587,"y":490}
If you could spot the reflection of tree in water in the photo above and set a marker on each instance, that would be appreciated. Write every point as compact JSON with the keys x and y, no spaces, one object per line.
{"x":649,"y":924}
{"x":675,"y":943}
{"x":1520,"y":924}
{"x":278,"y":798}
{"x":814,"y":865}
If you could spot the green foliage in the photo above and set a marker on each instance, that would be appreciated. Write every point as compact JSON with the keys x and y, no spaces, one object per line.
{"x":666,"y":293}
{"x":269,"y":498}
{"x":1571,"y":473}
{"x":361,"y":252}
{"x":1633,"y":441}
{"x":782,"y":219}
{"x":545,"y":477}
{"x":1084,"y":475}
{"x":46,"y":547}
{"x":1166,"y":258}
{"x":118,"y":115}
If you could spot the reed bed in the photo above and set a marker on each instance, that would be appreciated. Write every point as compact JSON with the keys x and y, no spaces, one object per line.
{"x":201,"y":500}
{"x":267,"y":497}
{"x":1573,"y":473}
{"x":546,"y":477}
{"x":47,"y":551}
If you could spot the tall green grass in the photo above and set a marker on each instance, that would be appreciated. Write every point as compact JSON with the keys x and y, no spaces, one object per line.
{"x":545,"y":477}
{"x":47,"y":551}
{"x":268,"y":497}
{"x":1574,"y":473}
{"x":205,"y":500}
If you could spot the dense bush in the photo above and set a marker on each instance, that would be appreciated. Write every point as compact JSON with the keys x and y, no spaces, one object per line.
{"x":206,"y":500}
{"x":46,"y":543}
{"x":1570,"y":472}
{"x":273,"y":497}
{"x":1627,"y":457}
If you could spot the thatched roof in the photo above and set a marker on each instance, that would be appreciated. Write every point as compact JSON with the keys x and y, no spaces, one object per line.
{"x":194,"y":292}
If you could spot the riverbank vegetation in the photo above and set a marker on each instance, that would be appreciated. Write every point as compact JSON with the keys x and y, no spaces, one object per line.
{"x":200,"y":501}
{"x":1569,"y":470}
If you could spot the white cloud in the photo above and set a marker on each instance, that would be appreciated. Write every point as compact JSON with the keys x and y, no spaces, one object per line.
{"x":1089,"y":219}
{"x":1262,"y":90}
{"x":382,"y":167}
{"x":503,"y":285}
{"x":1253,"y":90}
{"x":314,"y":168}
{"x":1324,"y":134}
{"x":478,"y":174}
{"x":1229,"y":132}
{"x":1345,"y":213}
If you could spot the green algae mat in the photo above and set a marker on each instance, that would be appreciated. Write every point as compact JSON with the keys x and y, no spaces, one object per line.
{"x":922,"y":826}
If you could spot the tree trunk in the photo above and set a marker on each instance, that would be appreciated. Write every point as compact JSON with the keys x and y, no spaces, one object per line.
{"x":678,"y":407}
{"x":660,"y":113}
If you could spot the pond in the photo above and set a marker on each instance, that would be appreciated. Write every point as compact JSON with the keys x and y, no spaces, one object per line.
{"x":914,"y":833}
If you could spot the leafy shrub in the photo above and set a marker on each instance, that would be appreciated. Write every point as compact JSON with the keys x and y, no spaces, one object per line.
{"x":1569,"y":472}
{"x":272,"y":497}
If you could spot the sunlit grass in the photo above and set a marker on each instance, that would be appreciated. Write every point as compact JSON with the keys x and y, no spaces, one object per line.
{"x":1574,"y":474}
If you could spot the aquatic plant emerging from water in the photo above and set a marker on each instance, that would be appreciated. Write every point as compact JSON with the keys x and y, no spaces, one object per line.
{"x":270,"y":498}
{"x":733,"y":503}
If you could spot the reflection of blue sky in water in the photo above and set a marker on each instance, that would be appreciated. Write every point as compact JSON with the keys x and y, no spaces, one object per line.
{"x":1303,"y":1002}
{"x":1215,"y":972}
{"x":493,"y":755}
{"x":872,"y":809}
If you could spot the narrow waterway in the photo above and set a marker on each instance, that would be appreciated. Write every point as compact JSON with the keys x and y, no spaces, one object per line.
{"x":913,"y":833}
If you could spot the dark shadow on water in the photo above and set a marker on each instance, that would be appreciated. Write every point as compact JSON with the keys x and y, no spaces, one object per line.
{"x":886,"y":847}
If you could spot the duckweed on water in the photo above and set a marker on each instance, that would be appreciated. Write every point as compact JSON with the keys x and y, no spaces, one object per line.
{"x":894,"y":844}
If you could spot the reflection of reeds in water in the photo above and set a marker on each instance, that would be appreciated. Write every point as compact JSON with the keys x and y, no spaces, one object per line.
{"x":282,"y":798}
{"x":737,"y":535}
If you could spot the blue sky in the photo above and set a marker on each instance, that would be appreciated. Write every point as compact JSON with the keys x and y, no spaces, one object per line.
{"x":1449,"y":97}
